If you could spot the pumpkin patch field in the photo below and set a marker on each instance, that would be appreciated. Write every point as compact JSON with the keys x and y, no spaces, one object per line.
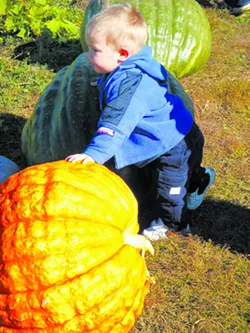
{"x":194,"y":284}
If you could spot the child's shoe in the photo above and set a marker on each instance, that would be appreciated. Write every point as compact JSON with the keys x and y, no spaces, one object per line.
{"x":238,"y":7}
{"x":195,"y":199}
{"x":157,"y":230}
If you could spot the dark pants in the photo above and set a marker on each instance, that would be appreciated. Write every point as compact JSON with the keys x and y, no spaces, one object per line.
{"x":236,"y":3}
{"x":174,"y":174}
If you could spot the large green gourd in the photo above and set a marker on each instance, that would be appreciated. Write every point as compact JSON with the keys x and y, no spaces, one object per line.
{"x":178,"y":31}
{"x":66,"y":115}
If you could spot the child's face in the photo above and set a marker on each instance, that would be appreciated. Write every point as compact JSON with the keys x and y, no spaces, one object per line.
{"x":103,"y":58}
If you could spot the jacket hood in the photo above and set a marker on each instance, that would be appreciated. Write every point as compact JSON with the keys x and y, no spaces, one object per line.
{"x":144,"y":60}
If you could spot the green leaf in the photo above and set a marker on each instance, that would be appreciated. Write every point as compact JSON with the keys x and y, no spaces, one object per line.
{"x":54,"y":26}
{"x":37,"y":11}
{"x":70,"y":27}
{"x":41,"y":2}
{"x":36,"y":26}
{"x":16,"y":9}
{"x":9,"y":24}
{"x":22,"y":33}
{"x":3,"y":6}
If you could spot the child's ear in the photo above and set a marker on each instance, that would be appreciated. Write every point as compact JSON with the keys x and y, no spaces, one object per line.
{"x":123,"y":54}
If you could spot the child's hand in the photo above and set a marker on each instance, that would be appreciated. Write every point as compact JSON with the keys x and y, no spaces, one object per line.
{"x":84,"y":158}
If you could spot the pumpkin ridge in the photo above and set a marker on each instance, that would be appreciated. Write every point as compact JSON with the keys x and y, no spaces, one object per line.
{"x":69,"y":280}
{"x":125,"y":281}
{"x":40,"y":192}
{"x":14,"y":236}
{"x":21,"y":257}
{"x":108,"y":255}
{"x":65,"y":278}
{"x":138,"y":312}
{"x":117,"y":182}
{"x":40,"y":256}
{"x":120,"y":291}
{"x":131,"y":308}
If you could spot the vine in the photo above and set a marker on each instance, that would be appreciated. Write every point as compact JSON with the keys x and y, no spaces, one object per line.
{"x":29,"y":18}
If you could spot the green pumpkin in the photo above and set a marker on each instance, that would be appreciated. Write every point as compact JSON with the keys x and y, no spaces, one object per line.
{"x":178,"y":31}
{"x":66,"y":115}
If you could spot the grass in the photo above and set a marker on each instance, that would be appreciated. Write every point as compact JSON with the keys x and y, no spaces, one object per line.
{"x":202,"y":281}
{"x":199,"y":287}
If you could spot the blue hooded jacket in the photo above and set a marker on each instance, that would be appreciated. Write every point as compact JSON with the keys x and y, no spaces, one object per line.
{"x":139,"y":119}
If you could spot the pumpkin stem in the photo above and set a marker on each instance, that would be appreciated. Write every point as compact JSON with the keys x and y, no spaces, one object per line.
{"x":139,"y":242}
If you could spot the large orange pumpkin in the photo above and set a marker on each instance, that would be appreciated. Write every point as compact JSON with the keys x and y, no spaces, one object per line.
{"x":71,"y":259}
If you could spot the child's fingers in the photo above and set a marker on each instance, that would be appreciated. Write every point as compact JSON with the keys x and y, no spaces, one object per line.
{"x":74,"y":158}
{"x":79,"y":158}
{"x":87,"y":159}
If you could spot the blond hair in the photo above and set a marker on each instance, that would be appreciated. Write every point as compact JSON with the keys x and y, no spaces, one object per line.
{"x":122,"y":25}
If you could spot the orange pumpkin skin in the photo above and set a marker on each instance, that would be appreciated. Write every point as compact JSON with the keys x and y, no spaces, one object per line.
{"x":65,"y":264}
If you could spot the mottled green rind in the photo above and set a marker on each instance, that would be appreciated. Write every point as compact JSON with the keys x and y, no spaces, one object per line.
{"x":66,"y":114}
{"x":178,"y":31}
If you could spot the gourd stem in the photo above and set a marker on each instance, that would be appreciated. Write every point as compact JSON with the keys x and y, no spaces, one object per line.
{"x":139,"y":242}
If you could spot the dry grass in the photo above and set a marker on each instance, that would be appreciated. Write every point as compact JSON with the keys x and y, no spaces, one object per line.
{"x":199,"y":288}
{"x":221,"y":98}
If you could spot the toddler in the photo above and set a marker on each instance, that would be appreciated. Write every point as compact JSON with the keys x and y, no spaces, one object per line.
{"x":141,"y":123}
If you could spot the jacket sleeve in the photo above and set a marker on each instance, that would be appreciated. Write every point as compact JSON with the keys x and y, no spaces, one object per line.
{"x":125,"y":108}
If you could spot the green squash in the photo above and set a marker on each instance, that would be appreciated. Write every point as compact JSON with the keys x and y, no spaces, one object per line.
{"x":178,"y":31}
{"x":66,"y":115}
